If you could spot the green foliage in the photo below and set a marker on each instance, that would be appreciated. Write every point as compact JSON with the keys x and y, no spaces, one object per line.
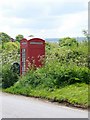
{"x":8,"y":77}
{"x":76,"y":54}
{"x":9,"y":53}
{"x":55,"y":75}
{"x":9,"y":57}
{"x":68,"y":42}
{"x":10,"y":46}
{"x":19,"y":37}
{"x":4,"y":37}
{"x":0,"y":75}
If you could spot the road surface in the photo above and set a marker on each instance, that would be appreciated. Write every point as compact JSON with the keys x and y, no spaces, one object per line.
{"x":14,"y":106}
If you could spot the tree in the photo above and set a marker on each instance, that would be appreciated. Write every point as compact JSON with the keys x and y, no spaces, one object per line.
{"x":4,"y":37}
{"x":19,"y":37}
{"x":31,"y":36}
{"x":68,"y":42}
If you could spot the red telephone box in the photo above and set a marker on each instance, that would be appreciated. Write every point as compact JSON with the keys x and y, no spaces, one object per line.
{"x":32,"y":53}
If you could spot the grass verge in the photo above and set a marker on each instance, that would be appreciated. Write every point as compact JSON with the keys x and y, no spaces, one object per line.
{"x":71,"y":95}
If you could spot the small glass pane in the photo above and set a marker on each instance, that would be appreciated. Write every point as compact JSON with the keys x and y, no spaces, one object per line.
{"x":23,"y":50}
{"x":23,"y":59}
{"x":36,"y":43}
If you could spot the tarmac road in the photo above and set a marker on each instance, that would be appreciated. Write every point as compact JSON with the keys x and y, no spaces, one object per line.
{"x":15,"y":106}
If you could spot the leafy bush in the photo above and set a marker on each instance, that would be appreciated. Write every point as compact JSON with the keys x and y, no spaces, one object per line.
{"x":67,"y":54}
{"x":10,"y":46}
{"x":8,"y":77}
{"x":54,"y":75}
{"x":10,"y":55}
